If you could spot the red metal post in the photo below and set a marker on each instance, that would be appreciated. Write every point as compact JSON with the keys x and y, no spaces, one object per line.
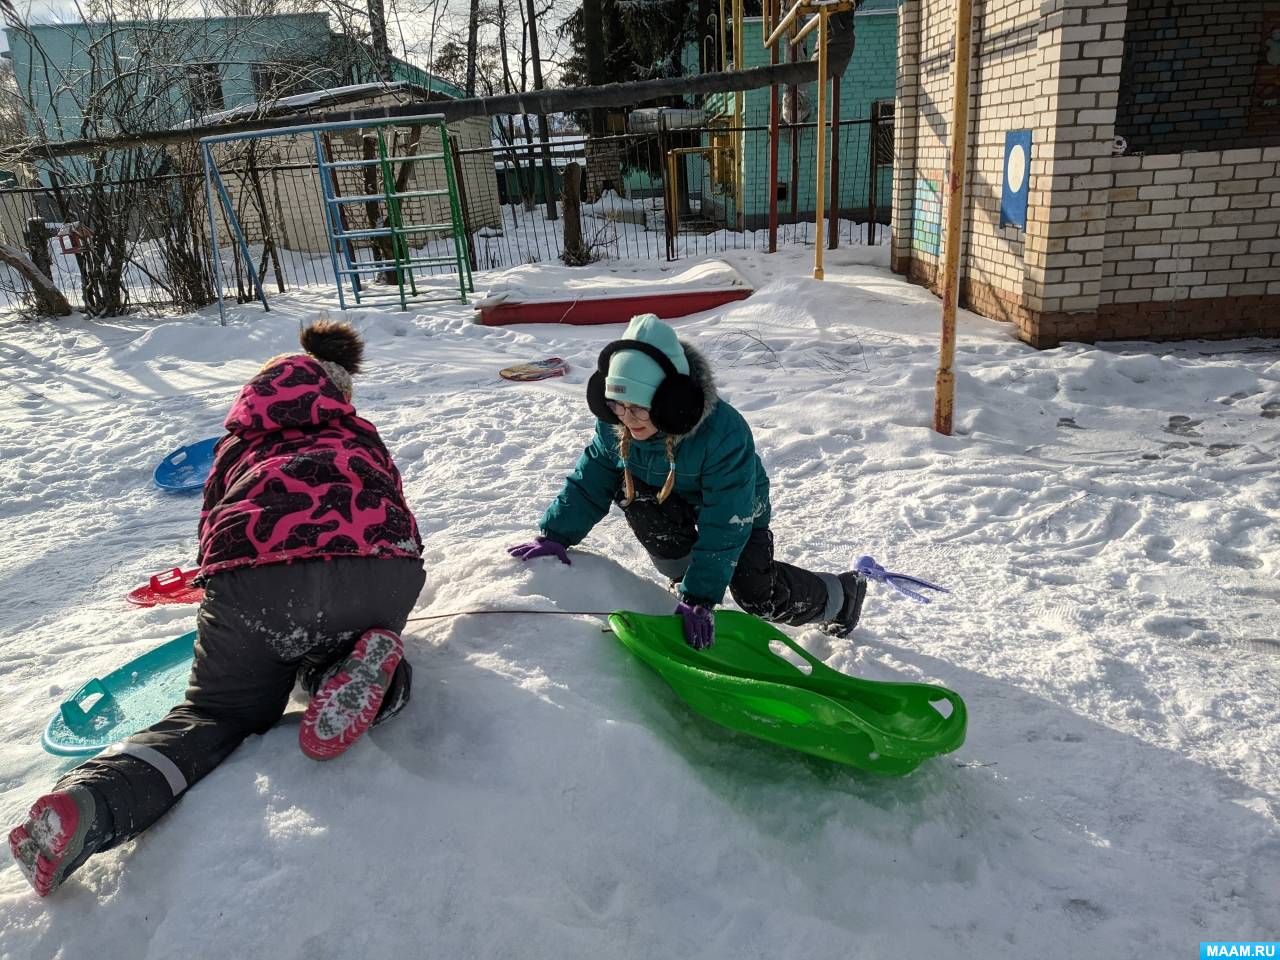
{"x":775,"y":110}
{"x":833,"y":228}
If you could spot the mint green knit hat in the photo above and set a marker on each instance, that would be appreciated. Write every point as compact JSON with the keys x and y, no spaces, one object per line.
{"x":633,"y":378}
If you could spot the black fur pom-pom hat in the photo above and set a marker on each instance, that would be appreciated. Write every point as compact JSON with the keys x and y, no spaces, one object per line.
{"x":336,"y":346}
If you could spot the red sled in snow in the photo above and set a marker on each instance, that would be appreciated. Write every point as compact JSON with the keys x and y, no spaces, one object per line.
{"x":171,"y":586}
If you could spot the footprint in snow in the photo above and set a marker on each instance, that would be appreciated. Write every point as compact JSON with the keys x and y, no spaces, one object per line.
{"x":1183,"y":426}
{"x":1084,"y":913}
{"x":1257,"y":645}
{"x":1218,"y":449}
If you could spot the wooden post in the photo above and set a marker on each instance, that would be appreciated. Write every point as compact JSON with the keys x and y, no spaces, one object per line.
{"x":833,"y":234}
{"x":574,"y":253}
{"x":945,"y":383}
{"x":821,"y":179}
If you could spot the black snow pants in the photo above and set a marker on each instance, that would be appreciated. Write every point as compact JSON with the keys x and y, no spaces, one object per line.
{"x":761,"y":585}
{"x":259,"y":630}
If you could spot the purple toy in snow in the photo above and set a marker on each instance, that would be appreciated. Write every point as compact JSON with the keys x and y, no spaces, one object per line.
{"x":868,"y":567}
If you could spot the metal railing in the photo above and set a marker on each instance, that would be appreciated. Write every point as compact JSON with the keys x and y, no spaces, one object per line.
{"x":161,"y":255}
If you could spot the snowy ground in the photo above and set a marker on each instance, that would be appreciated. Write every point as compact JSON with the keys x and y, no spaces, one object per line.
{"x":1106,"y":514}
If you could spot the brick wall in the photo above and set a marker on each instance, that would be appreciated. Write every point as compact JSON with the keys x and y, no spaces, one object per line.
{"x":604,"y":167}
{"x":906,"y":135}
{"x":1082,"y":43}
{"x":1189,"y":73}
{"x":1019,"y":80}
{"x":1162,"y":246}
{"x":1194,"y":240}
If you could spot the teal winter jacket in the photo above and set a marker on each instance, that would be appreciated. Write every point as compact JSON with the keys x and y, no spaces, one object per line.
{"x":717,"y":472}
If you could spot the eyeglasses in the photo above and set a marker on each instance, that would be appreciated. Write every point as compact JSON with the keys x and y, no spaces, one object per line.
{"x":639,"y":414}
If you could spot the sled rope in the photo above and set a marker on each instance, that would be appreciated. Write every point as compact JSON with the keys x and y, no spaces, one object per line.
{"x":468,"y":613}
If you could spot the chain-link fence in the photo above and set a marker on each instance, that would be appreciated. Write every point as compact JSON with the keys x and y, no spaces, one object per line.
{"x":119,"y":245}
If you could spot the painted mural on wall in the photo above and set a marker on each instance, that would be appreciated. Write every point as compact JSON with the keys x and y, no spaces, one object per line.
{"x":926,"y":215}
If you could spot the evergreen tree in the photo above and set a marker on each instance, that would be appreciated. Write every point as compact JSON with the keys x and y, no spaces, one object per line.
{"x":643,"y":40}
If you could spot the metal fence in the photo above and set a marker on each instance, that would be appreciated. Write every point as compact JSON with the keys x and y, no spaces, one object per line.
{"x":159,"y":253}
{"x":625,"y":196}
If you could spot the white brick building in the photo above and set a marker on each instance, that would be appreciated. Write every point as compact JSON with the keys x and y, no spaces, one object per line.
{"x":1178,"y":236}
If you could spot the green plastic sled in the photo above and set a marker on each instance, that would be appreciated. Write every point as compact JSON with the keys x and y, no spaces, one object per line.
{"x":744,"y":685}
{"x":128,"y":699}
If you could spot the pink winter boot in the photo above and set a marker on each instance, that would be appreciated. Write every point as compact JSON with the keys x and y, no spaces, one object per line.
{"x":346,"y":702}
{"x":62,"y":830}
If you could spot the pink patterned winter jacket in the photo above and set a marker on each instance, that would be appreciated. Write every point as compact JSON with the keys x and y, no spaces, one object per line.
{"x":300,"y":476}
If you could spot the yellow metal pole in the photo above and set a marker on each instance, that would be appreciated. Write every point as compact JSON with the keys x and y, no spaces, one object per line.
{"x":781,"y":27}
{"x":807,"y":29}
{"x":724,"y":39}
{"x":945,"y":383}
{"x":821,"y":180}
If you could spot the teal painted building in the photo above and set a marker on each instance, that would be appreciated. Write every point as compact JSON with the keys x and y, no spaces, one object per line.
{"x":158,"y":74}
{"x":868,"y":80}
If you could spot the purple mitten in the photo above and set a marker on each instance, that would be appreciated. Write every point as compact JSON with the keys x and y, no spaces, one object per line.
{"x":699,"y":625}
{"x":539,"y":547}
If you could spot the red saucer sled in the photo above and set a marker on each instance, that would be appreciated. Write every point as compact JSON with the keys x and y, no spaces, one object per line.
{"x":171,"y":586}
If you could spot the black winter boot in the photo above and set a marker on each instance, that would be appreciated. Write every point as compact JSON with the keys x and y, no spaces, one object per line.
{"x":855,"y":590}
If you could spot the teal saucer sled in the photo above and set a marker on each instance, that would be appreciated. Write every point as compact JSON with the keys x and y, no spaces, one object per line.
{"x":126,"y":700}
{"x":741,"y":683}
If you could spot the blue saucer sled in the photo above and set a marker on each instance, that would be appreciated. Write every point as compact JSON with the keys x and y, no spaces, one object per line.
{"x":126,"y":700}
{"x":186,"y":468}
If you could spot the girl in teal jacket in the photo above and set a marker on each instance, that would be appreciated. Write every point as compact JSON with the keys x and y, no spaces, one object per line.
{"x":681,"y":464}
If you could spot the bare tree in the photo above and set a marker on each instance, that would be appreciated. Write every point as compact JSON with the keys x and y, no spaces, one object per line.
{"x":137,"y":210}
{"x":378,"y":37}
{"x":535,"y":58}
{"x":473,"y":34}
{"x":248,"y":8}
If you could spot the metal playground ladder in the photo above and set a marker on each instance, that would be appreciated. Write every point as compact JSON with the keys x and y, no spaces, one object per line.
{"x":390,"y":239}
{"x":393,"y":229}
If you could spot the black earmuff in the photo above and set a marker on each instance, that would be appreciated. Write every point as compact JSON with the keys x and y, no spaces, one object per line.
{"x":677,"y":403}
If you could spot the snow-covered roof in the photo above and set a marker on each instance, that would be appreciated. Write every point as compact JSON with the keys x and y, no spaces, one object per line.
{"x":355,"y":91}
